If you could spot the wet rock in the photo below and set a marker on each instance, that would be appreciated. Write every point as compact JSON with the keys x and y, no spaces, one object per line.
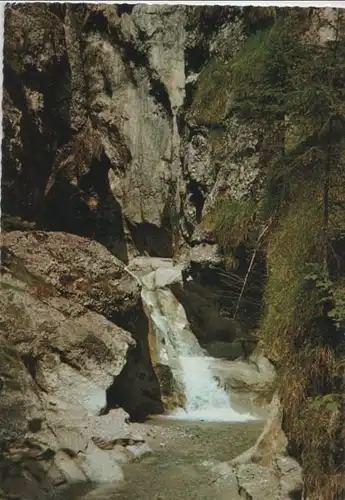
{"x":69,"y":468}
{"x":256,"y":375}
{"x":142,"y":265}
{"x":272,"y":441}
{"x":172,"y":393}
{"x":240,"y":348}
{"x":163,"y":278}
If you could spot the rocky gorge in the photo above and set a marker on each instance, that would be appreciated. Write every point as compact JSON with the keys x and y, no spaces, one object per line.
{"x":126,"y":172}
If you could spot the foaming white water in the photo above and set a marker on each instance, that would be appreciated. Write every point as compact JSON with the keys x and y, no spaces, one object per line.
{"x":201,"y":388}
{"x":178,"y":347}
{"x":206,"y":399}
{"x":210,"y":415}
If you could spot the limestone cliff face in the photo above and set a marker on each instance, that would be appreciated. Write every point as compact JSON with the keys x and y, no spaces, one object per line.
{"x":118,"y":130}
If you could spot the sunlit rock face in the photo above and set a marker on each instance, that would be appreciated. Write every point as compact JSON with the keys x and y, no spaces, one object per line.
{"x":116,"y":130}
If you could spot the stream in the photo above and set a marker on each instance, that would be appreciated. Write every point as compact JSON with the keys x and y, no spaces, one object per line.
{"x":196,"y":438}
{"x":190,"y":443}
{"x":182,"y":468}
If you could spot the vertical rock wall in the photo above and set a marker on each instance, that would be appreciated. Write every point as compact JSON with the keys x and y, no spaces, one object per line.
{"x":119,"y":130}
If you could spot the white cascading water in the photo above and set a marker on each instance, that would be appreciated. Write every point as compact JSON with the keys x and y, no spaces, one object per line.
{"x":178,"y":347}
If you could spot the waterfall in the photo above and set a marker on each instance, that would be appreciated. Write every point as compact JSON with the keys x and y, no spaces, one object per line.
{"x":177,"y":346}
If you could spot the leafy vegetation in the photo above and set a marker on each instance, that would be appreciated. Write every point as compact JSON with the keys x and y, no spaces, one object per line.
{"x":210,"y":103}
{"x":233,"y":222}
{"x":293,"y":83}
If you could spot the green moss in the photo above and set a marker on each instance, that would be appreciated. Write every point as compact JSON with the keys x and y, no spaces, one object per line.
{"x":317,"y":431}
{"x":297,"y":336}
{"x":233,"y":223}
{"x":210,"y":103}
{"x":288,"y":306}
{"x":291,"y":86}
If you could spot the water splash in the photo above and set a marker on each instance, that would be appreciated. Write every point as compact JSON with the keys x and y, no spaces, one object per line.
{"x":206,"y":398}
{"x":178,"y":347}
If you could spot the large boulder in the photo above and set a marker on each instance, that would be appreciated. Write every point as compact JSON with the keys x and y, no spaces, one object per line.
{"x":76,"y":268}
{"x":255,"y":375}
{"x":59,"y":358}
{"x":249,"y":382}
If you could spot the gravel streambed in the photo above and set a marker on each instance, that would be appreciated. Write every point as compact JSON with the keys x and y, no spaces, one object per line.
{"x":184,"y":453}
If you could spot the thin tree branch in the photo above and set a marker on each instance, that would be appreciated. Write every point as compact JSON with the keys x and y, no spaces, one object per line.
{"x":250,"y":267}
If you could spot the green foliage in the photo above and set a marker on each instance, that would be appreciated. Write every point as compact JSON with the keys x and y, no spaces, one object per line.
{"x":217,"y":138}
{"x":236,"y":225}
{"x":289,"y":306}
{"x":233,"y":223}
{"x":210,"y":103}
{"x":286,"y":80}
{"x":320,"y":279}
{"x":330,"y":403}
{"x":337,"y":313}
{"x":328,"y":293}
{"x":260,"y":73}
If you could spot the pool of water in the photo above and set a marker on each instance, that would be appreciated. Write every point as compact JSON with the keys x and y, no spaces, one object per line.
{"x":182,"y":469}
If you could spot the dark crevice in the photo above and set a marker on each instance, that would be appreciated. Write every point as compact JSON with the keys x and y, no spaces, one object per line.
{"x":195,"y":58}
{"x":23,"y":194}
{"x":136,"y":389}
{"x":197,"y":198}
{"x":30,"y":363}
{"x":161,"y":95}
{"x":96,"y":21}
{"x":35,"y":425}
{"x":136,"y":392}
{"x":131,"y":53}
{"x":125,"y":8}
{"x":189,"y":94}
{"x":296,"y":494}
{"x":209,"y":296}
{"x":152,"y":240}
{"x":107,"y":84}
{"x":89,"y":209}
{"x":181,"y":123}
{"x":59,"y":9}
